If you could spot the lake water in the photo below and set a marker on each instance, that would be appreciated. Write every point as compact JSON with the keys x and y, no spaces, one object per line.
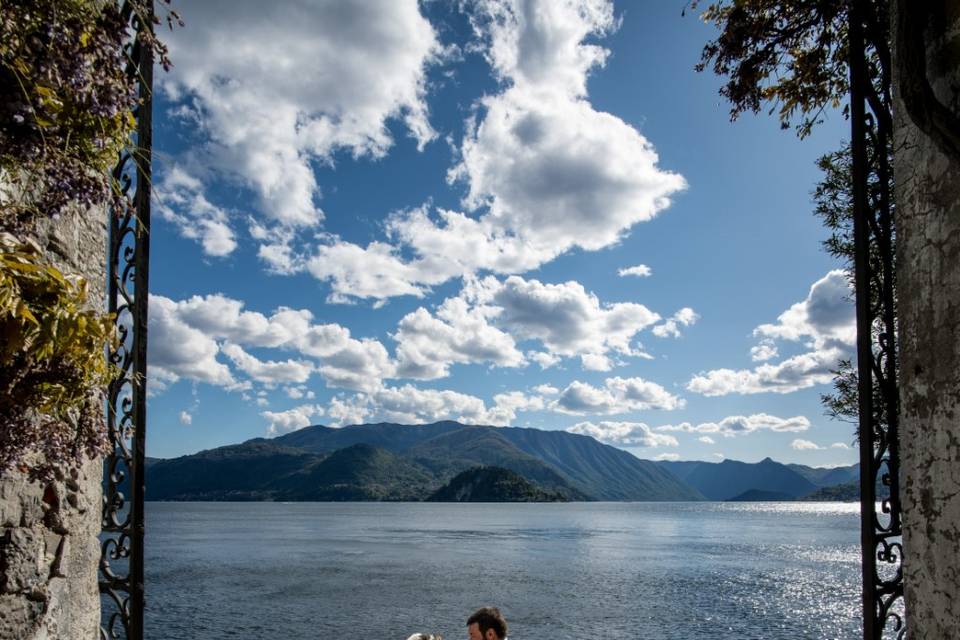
{"x":373,"y":571}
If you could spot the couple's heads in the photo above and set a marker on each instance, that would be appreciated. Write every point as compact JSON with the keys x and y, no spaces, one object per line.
{"x":487,"y":624}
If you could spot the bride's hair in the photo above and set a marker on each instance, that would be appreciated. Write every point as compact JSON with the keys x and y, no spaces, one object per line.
{"x":425,"y":636}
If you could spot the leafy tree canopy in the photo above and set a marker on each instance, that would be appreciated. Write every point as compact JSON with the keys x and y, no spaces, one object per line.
{"x":789,"y":54}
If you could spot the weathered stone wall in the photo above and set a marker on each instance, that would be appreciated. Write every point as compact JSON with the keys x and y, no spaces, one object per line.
{"x":48,"y":532}
{"x":928,"y":252}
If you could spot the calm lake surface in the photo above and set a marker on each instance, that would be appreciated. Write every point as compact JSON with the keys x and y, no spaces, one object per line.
{"x":381,"y":571}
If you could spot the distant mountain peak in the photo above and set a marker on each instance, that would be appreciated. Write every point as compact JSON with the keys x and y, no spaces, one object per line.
{"x":388,"y":461}
{"x":731,"y":478}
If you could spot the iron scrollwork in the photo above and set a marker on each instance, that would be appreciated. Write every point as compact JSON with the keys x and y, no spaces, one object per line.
{"x":122,"y":531}
{"x":874,"y":237}
{"x":121,"y":563}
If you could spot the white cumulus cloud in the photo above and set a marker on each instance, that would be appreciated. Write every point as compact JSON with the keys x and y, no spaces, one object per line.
{"x":805,"y":445}
{"x":344,"y":411}
{"x":545,"y":172}
{"x":187,"y":336}
{"x":618,"y":395}
{"x":275,"y":86}
{"x":178,"y":350}
{"x":685,"y":317}
{"x":291,"y":419}
{"x":489,"y":317}
{"x":671,"y":457}
{"x":408,"y":404}
{"x":640,"y":270}
{"x":268,"y":372}
{"x":558,"y":174}
{"x":427,"y":344}
{"x":824,"y":321}
{"x":826,"y":317}
{"x":180,"y":199}
{"x":624,"y":434}
{"x":566,"y":318}
{"x":359,"y":364}
{"x":375,"y":271}
{"x":794,"y":373}
{"x":764,"y":351}
{"x":542,"y":159}
{"x":742,"y":425}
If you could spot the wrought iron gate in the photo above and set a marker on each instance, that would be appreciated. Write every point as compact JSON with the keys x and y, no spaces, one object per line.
{"x":121,"y":559}
{"x":872,"y":148}
{"x":121,"y":563}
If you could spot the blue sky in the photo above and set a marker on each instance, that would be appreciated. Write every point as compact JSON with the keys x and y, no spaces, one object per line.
{"x":527,"y":213}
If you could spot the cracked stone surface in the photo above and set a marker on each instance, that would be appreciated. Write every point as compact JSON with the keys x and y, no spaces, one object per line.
{"x":49,"y":551}
{"x":928,"y":254}
{"x":48,"y":557}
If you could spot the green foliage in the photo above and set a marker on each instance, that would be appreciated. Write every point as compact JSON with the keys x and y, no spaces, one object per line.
{"x":493,"y":484}
{"x":66,"y":113}
{"x":789,"y":54}
{"x":51,"y":362}
{"x":833,"y":199}
{"x":842,"y":404}
{"x":793,"y":56}
{"x":66,"y":104}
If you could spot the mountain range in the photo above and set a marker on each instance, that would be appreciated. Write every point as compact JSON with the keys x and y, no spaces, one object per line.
{"x":408,"y":462}
{"x":764,"y":480}
{"x":451,"y":461}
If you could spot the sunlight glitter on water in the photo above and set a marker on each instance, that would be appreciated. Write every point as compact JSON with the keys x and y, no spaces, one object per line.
{"x":812,"y":508}
{"x":633,"y":570}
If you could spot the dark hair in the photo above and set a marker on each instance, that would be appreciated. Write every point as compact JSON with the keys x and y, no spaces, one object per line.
{"x":489,"y":618}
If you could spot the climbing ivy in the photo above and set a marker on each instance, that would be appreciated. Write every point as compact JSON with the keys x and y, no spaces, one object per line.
{"x":52,"y":359}
{"x":66,"y":104}
{"x":67,"y":109}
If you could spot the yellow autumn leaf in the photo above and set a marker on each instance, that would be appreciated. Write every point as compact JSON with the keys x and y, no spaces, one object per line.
{"x":24,"y":267}
{"x":24,"y":312}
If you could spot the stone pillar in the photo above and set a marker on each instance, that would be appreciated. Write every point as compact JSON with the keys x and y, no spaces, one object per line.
{"x":928,"y":281}
{"x":49,"y":550}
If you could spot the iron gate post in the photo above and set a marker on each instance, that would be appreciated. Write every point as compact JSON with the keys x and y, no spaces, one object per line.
{"x":874,"y":275}
{"x":122,"y":534}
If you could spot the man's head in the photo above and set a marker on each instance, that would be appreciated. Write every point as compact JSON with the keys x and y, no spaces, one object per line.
{"x":487,"y":624}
